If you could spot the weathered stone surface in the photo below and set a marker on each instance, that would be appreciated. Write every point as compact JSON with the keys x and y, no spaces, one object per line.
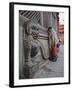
{"x":53,"y":69}
{"x":34,"y":49}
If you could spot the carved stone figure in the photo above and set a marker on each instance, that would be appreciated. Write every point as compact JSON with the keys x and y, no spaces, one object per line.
{"x":32,"y":48}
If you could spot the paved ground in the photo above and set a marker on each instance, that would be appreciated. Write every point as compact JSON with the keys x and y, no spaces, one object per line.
{"x":53,"y":69}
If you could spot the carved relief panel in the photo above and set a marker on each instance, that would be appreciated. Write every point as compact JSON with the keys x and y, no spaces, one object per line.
{"x":34,"y":47}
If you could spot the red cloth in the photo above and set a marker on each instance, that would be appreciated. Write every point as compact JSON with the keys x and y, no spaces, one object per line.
{"x":55,"y":51}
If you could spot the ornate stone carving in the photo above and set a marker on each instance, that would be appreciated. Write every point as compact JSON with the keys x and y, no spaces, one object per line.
{"x":32,"y":46}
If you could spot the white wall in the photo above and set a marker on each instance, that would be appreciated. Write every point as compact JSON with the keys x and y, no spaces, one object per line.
{"x":4,"y":44}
